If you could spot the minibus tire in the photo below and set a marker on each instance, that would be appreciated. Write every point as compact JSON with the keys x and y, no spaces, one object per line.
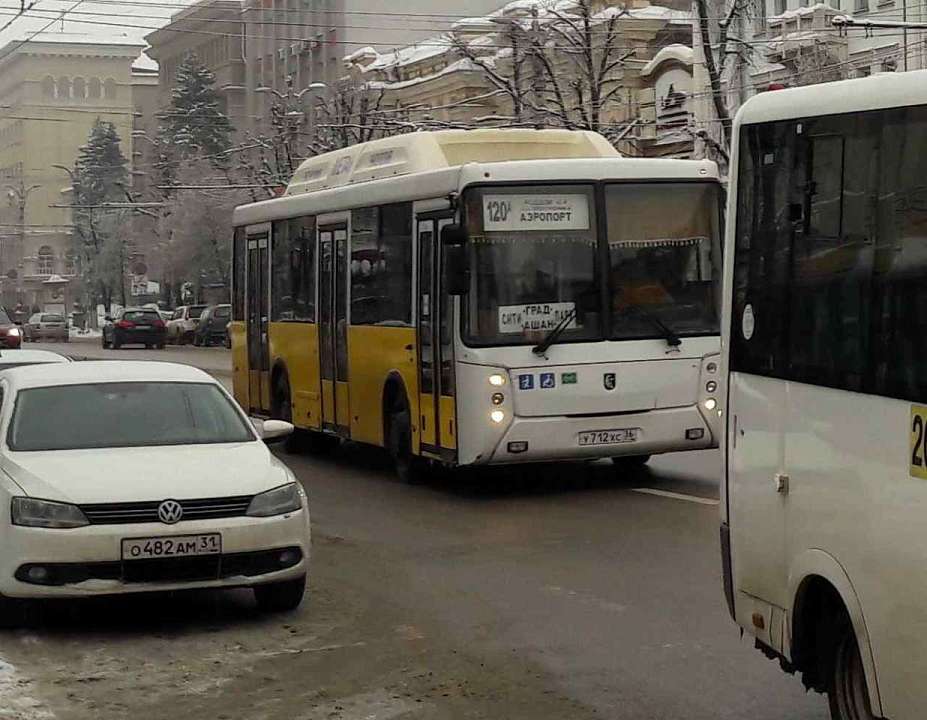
{"x":847,"y":693}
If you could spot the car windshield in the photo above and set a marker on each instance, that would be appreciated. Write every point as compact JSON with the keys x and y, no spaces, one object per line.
{"x":141,"y":316}
{"x":134,"y":414}
{"x":664,"y":258}
{"x":52,"y":318}
{"x":4,"y":317}
{"x":197,"y":311}
{"x":534,"y":259}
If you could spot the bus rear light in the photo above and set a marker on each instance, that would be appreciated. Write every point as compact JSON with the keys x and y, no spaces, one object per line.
{"x":711,"y":386}
{"x":498,"y":398}
{"x":519,"y":446}
{"x":497,"y":380}
{"x":497,"y":416}
{"x":695,"y":433}
{"x":711,"y":368}
{"x":711,"y":404}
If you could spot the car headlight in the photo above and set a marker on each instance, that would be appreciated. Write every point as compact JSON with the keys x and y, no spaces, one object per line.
{"x":30,"y":512}
{"x":278,"y":501}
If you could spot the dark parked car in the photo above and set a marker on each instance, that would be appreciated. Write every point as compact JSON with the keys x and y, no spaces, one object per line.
{"x":135,"y":326}
{"x":213,"y":326}
{"x":11,"y":335}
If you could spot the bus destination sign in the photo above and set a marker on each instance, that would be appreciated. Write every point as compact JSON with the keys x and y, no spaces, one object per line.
{"x":503,"y":213}
{"x":535,"y":317}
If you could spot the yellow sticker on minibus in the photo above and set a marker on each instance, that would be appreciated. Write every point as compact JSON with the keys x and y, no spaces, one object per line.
{"x":918,"y":444}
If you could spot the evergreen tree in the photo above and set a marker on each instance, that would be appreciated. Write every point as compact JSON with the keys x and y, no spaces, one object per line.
{"x":195,"y":125}
{"x":100,"y":176}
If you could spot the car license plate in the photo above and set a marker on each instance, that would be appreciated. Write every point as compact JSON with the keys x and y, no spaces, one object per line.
{"x":143,"y":327}
{"x":169,"y":547}
{"x":609,"y":437}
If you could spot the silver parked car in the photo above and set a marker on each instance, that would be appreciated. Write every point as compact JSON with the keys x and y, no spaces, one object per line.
{"x":46,"y":326}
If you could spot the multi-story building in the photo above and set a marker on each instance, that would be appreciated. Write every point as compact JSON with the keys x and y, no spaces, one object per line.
{"x":446,"y":80}
{"x":52,"y":90}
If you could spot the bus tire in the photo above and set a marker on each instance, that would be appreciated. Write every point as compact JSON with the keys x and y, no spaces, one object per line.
{"x":410,"y":469}
{"x":847,"y":691}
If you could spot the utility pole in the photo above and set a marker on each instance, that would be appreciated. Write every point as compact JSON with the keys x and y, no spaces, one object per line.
{"x":18,"y":197}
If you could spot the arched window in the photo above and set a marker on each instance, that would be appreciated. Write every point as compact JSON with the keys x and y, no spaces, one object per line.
{"x":48,"y":87}
{"x":80,"y":88}
{"x":64,"y":88}
{"x":109,"y":89}
{"x":94,"y":88}
{"x":46,"y":264}
{"x":70,"y":264}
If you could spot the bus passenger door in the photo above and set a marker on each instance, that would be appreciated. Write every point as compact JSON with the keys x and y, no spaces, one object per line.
{"x":333,"y":241}
{"x":258,"y":318}
{"x":428,"y":405}
{"x":438,"y":412}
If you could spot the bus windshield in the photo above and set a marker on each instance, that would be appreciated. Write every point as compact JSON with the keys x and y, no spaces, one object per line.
{"x":536,"y":258}
{"x":664,"y":258}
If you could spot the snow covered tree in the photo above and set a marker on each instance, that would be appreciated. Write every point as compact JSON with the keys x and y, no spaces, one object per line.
{"x":101,"y":243}
{"x":194,"y":125}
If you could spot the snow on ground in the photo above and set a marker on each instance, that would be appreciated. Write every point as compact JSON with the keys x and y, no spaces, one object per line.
{"x":16,"y":699}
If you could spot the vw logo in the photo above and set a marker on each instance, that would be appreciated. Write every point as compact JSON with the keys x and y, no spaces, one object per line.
{"x":610,"y":381}
{"x":170,"y":512}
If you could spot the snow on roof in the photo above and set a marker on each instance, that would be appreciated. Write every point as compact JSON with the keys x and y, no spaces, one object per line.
{"x":144,"y":63}
{"x":364,"y":52}
{"x":462,"y":65}
{"x":677,"y":52}
{"x":802,"y":11}
{"x":432,"y":47}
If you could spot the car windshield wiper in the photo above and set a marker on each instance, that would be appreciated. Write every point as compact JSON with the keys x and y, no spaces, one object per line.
{"x":554,"y":335}
{"x":672,"y":339}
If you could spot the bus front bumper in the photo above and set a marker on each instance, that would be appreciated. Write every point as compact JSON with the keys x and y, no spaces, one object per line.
{"x":540,"y":439}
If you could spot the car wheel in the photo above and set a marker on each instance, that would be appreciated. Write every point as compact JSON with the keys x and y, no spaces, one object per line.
{"x":409,"y":468}
{"x":282,"y":596}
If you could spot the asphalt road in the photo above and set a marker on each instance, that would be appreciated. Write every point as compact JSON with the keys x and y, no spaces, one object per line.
{"x":569,"y":593}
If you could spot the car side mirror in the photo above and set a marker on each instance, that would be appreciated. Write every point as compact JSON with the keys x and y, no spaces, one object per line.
{"x":274,"y":430}
{"x":456,"y":260}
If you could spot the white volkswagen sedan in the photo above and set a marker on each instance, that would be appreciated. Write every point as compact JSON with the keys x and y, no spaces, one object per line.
{"x":122,"y":477}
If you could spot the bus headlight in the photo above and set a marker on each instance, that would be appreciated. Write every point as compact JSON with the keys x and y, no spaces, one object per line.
{"x":711,"y":404}
{"x":497,"y":416}
{"x":497,"y":380}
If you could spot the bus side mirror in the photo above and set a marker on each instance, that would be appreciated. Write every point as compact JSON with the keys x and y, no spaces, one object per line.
{"x":456,"y":263}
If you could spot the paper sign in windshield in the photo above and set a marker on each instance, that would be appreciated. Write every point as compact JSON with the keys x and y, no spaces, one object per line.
{"x":535,"y":212}
{"x":542,"y":316}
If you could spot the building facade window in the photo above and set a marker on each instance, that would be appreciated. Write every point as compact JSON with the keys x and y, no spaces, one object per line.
{"x":780,"y":6}
{"x":861,"y":6}
{"x":79,"y":89}
{"x":94,"y":88}
{"x":46,"y":261}
{"x":109,"y":89}
{"x":48,"y":87}
{"x":64,"y":88}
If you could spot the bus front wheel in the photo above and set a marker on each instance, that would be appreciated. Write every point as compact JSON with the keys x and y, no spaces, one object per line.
{"x":847,"y":691}
{"x":409,"y":468}
{"x":300,"y":440}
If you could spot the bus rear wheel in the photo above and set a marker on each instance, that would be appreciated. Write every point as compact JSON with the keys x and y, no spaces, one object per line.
{"x":847,"y":691}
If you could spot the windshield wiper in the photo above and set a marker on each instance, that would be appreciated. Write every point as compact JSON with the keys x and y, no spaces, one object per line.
{"x":554,"y":335}
{"x":672,"y":339}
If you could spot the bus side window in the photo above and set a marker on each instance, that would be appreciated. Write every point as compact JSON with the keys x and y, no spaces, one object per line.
{"x":238,"y":274}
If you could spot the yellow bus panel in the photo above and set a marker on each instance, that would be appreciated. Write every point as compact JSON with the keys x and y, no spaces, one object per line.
{"x":328,"y":402}
{"x":240,"y":377}
{"x":296,"y":347}
{"x":426,"y":419}
{"x":374,"y":352}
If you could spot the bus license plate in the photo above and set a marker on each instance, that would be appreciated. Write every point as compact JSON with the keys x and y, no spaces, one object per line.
{"x":170,"y":547}
{"x":608,"y":437}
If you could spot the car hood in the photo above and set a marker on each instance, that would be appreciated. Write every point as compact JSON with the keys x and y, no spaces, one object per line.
{"x":151,"y":473}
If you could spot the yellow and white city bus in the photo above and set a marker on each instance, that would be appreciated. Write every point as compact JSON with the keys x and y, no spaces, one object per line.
{"x":484,"y":297}
{"x":824,"y":493}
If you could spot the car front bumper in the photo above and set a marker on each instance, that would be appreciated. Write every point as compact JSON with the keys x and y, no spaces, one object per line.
{"x":89,"y":559}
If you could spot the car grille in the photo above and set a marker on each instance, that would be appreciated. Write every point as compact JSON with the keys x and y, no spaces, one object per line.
{"x":142,"y":512}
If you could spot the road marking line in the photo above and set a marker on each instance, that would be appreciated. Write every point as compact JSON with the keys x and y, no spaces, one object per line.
{"x":678,"y":496}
